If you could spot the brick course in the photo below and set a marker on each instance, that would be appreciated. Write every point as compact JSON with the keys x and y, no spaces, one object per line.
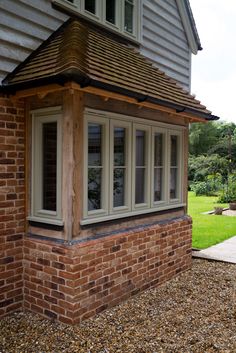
{"x":70,"y":283}
{"x":12,"y":204}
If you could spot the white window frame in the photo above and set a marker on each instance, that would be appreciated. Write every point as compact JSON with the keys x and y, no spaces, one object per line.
{"x":78,"y":8}
{"x":147,"y":130}
{"x":133,"y":123}
{"x":38,"y":214}
{"x":165,"y":184}
{"x":179,"y":190}
{"x":105,"y":158}
{"x":128,"y":146}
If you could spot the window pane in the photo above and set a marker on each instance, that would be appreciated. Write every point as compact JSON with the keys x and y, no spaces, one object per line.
{"x":140,"y":185}
{"x":129,"y":16}
{"x":158,"y":184}
{"x":94,"y":145}
{"x":111,"y":11}
{"x":119,"y":146}
{"x":140,"y":148}
{"x":94,"y":188}
{"x":90,"y":5}
{"x":173,"y":183}
{"x":50,"y":166}
{"x":119,"y":187}
{"x":158,"y":150}
{"x":174,"y":152}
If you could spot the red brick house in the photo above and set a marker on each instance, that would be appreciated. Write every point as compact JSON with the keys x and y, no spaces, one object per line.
{"x":93,"y":144}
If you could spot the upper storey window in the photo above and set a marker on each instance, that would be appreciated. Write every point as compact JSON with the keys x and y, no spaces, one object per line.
{"x":122,"y":16}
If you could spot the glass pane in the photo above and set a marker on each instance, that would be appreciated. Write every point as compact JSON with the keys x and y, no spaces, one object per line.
{"x":119,"y":188}
{"x":173,"y":183}
{"x":111,"y":11}
{"x":50,"y":166}
{"x":174,"y":152}
{"x":140,"y":148}
{"x":129,"y":16}
{"x":94,"y":188}
{"x":90,"y":5}
{"x":158,"y":184}
{"x":119,"y":146}
{"x":140,"y":185}
{"x":158,"y":150}
{"x":94,"y":145}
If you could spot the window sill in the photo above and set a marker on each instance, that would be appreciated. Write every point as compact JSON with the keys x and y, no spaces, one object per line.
{"x":128,"y":214}
{"x":55,"y":222}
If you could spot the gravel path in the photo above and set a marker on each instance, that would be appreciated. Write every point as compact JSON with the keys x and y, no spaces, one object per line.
{"x":195,"y":312}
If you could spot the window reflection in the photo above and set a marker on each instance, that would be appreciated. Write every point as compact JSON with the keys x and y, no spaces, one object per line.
{"x":50,"y":166}
{"x":140,"y":167}
{"x":119,"y":175}
{"x":111,"y":11}
{"x":129,"y":9}
{"x":94,"y":166}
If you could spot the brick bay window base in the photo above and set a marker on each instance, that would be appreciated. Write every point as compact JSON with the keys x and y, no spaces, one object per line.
{"x":101,"y":212}
{"x":71,"y":283}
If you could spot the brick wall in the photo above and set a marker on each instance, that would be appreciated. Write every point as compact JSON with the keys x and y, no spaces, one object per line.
{"x":12,"y":210}
{"x":72,"y":283}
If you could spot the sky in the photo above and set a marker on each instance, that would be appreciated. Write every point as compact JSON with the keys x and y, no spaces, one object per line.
{"x":214,"y":68}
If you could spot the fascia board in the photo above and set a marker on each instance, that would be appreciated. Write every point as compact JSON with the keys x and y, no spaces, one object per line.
{"x":187,"y":26}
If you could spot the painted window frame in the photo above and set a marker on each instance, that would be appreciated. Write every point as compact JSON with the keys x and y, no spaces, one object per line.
{"x":147,"y":130}
{"x":78,"y":7}
{"x":164,"y":132}
{"x":127,"y":125}
{"x":179,"y":164}
{"x":37,"y":213}
{"x":151,"y":127}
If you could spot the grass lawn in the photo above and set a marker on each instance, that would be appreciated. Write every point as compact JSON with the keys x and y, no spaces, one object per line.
{"x":209,"y":229}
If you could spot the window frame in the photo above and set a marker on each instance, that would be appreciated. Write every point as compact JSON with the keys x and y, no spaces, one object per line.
{"x":37,"y":213}
{"x":127,"y":125}
{"x":147,"y":129}
{"x":151,"y":127}
{"x":179,"y":165}
{"x":164,"y":132}
{"x":78,"y":7}
{"x":104,"y":188}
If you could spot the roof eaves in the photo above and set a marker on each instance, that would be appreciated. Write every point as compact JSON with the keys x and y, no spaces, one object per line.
{"x":85,"y":81}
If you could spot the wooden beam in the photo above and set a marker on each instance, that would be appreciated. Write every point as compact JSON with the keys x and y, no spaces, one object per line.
{"x":78,"y":154}
{"x":38,"y":91}
{"x":117,"y":96}
{"x":106,"y":95}
{"x":67,"y":163}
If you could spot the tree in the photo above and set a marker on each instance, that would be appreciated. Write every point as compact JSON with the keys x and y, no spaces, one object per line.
{"x":202,"y":137}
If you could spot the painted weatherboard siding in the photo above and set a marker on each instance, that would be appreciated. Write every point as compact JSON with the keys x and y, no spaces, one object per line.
{"x":164,"y":39}
{"x":25,"y":24}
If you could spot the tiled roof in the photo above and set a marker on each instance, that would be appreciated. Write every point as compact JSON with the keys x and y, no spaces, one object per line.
{"x":77,"y":52}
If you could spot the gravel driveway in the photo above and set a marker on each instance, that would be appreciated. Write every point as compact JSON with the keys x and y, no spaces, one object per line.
{"x":195,"y":312}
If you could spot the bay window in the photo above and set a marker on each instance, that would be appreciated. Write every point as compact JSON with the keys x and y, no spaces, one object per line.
{"x":122,"y":16}
{"x":131,"y":166}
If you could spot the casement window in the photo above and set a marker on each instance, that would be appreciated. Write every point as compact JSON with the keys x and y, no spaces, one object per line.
{"x":122,"y":16}
{"x":131,"y":166}
{"x":46,"y":166}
